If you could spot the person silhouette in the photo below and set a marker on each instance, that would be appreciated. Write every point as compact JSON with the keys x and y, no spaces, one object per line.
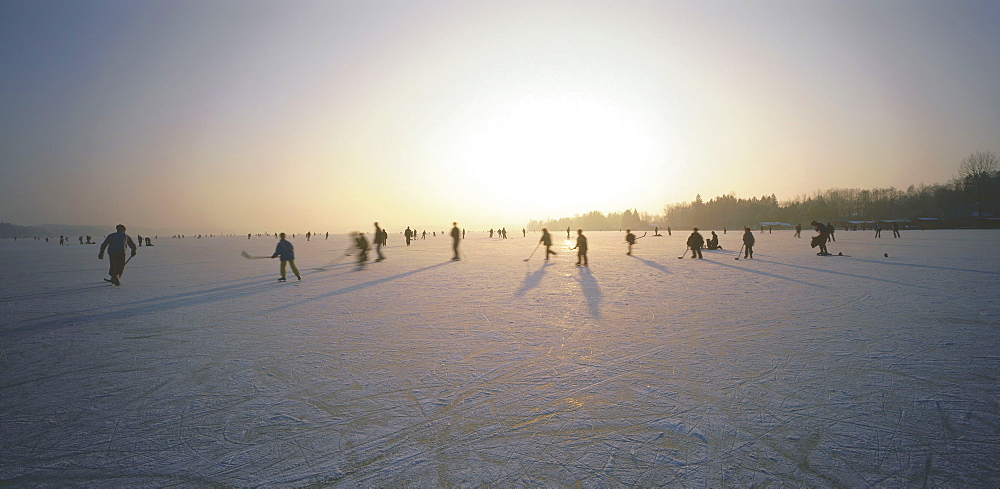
{"x":286,"y":251}
{"x":581,"y":248}
{"x":456,"y":237}
{"x":115,"y":244}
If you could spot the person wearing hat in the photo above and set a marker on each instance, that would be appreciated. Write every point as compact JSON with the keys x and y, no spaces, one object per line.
{"x":115,"y":244}
{"x":695,"y":242}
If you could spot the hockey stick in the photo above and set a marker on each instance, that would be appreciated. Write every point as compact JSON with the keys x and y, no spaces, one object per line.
{"x":246,"y":255}
{"x":738,"y":252}
{"x":533,"y":251}
{"x":685,"y":253}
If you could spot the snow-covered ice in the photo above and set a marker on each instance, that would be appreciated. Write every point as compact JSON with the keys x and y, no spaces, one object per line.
{"x":788,"y":370}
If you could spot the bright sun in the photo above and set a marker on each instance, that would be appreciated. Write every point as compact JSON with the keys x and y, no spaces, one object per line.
{"x":567,"y":142}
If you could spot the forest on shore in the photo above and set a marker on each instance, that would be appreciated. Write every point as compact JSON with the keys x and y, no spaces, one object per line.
{"x":969,"y":200}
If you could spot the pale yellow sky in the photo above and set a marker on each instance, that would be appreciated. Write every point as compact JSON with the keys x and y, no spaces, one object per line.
{"x":326,"y":116}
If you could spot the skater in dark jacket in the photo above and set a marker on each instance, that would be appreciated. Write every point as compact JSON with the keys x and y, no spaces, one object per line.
{"x":115,"y":243}
{"x":748,"y":241}
{"x":456,"y":237}
{"x":630,"y":239}
{"x":286,"y":251}
{"x":361,"y":243}
{"x":378,"y":243}
{"x":820,"y":239}
{"x":546,"y":240}
{"x":581,"y":247}
{"x":713,"y":242}
{"x":695,"y":242}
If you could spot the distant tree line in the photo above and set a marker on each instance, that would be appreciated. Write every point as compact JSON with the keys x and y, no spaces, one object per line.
{"x":974,"y":194}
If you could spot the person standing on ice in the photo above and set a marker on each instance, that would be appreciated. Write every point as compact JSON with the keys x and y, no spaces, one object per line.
{"x":821,"y":238}
{"x":895,"y":229}
{"x":287,"y":253}
{"x":547,"y":241}
{"x":378,"y":243}
{"x":115,"y":243}
{"x":630,"y":239}
{"x":695,"y":242}
{"x":581,"y":247}
{"x":456,"y":236}
{"x":748,"y":241}
{"x":798,"y":230}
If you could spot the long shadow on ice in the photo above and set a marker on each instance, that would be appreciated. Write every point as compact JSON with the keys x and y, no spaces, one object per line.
{"x":766,"y":274}
{"x":356,"y":287}
{"x":833,"y":272}
{"x":531,"y":280}
{"x":142,"y":308}
{"x":652,"y":264}
{"x":591,"y":291}
{"x":923,"y":266}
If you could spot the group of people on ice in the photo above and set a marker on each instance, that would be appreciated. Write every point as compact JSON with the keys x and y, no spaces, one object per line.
{"x":116,"y":243}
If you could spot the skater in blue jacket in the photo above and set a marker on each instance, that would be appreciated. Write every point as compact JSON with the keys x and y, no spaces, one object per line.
{"x":287,"y":253}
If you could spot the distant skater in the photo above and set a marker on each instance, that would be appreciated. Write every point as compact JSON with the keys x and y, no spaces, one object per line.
{"x":878,"y":230}
{"x":668,"y":231}
{"x":748,"y":241}
{"x":286,"y":251}
{"x":820,"y":239}
{"x":830,"y":230}
{"x":695,"y":242}
{"x":567,"y":232}
{"x":581,"y":248}
{"x":115,"y":243}
{"x":408,"y":235}
{"x":378,"y":243}
{"x":798,"y":230}
{"x":456,"y":237}
{"x":547,"y":241}
{"x":895,"y":229}
{"x":630,"y":239}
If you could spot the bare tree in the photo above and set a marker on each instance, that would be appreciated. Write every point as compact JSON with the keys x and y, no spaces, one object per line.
{"x":976,"y":171}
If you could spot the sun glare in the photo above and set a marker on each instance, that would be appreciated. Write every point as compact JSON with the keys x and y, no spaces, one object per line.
{"x":572,"y":143}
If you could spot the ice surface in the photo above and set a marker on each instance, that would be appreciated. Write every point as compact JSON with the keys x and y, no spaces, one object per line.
{"x":789,"y":370}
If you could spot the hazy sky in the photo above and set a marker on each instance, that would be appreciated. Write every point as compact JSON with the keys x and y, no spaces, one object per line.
{"x":294,"y":115}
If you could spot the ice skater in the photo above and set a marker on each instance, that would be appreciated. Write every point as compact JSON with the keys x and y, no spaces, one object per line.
{"x":895,"y":229}
{"x":695,"y":242}
{"x":286,"y":251}
{"x":378,"y":243}
{"x":115,"y":243}
{"x":456,"y":237}
{"x":798,"y":230}
{"x":361,"y":243}
{"x":820,"y":239}
{"x":878,"y":230}
{"x":581,"y":248}
{"x":748,"y":241}
{"x":630,"y":239}
{"x":547,"y":241}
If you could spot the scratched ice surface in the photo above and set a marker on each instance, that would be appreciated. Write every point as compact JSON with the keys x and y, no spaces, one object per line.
{"x":788,"y":370}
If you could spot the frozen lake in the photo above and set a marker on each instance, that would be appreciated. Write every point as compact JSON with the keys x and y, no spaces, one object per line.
{"x":788,"y":370}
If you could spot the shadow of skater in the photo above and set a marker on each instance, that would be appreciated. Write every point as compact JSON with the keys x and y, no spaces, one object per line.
{"x":531,"y":280}
{"x":591,"y":291}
